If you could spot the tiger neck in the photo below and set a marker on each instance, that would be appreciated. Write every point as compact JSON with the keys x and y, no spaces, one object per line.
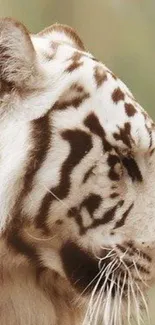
{"x":32,"y":299}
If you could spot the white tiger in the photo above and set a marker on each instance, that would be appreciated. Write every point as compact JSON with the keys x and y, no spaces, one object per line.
{"x":77,"y":185}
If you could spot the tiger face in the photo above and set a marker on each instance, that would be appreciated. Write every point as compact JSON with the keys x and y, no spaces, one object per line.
{"x":76,"y":174}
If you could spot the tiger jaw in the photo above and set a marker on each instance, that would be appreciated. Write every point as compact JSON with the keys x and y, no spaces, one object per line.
{"x":114,"y":274}
{"x":84,"y":269}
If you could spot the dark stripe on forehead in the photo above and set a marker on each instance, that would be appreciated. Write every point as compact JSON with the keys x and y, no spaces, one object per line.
{"x":132,"y":168}
{"x":95,"y":127}
{"x":117,"y":95}
{"x":74,"y":96}
{"x":121,"y":222}
{"x":80,"y":144}
{"x":124,"y":135}
{"x":76,"y":62}
{"x":99,"y":75}
{"x":130,"y":109}
{"x":75,"y":102}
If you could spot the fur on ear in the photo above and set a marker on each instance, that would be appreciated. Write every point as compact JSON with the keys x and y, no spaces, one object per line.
{"x":63,"y":34}
{"x":17,"y":54}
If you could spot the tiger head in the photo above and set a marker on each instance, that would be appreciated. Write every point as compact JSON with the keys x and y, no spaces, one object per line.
{"x":77,"y":171}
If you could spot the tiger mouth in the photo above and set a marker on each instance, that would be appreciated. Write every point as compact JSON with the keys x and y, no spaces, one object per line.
{"x":114,"y":282}
{"x":112,"y":270}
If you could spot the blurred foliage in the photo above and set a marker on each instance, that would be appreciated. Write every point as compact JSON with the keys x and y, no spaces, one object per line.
{"x":118,"y":32}
{"x":121,"y":33}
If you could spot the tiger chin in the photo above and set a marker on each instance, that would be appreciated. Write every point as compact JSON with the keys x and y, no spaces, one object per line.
{"x":77,"y":191}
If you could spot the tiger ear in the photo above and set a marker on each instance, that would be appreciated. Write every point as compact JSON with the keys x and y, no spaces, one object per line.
{"x":63,"y":34}
{"x":17,"y":54}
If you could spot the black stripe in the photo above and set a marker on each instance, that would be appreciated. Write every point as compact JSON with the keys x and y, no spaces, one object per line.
{"x":112,"y":161}
{"x":121,"y":222}
{"x":124,"y":135}
{"x":91,"y":203}
{"x":40,"y":135}
{"x":88,"y":174}
{"x":80,"y":144}
{"x":133,"y":250}
{"x":95,"y":127}
{"x":107,"y":217}
{"x":114,"y":195}
{"x":132,"y":168}
{"x":19,"y":244}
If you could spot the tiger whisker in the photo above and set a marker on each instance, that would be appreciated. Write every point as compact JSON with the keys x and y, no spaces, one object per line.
{"x":108,"y":305}
{"x":39,"y":239}
{"x":106,"y":248}
{"x":102,"y":293}
{"x":91,"y":282}
{"x":100,"y":271}
{"x":121,"y":296}
{"x":112,"y":299}
{"x":93,"y":307}
{"x":91,"y":298}
{"x":116,"y":304}
{"x":113,"y":282}
{"x":99,"y":257}
{"x":56,"y":197}
{"x":138,"y":316}
{"x":109,"y":255}
{"x":122,"y":256}
{"x":98,"y":306}
{"x":137,"y":271}
{"x":114,"y":270}
{"x":144,"y":302}
{"x":132,"y":289}
{"x":129,"y":303}
{"x":103,"y":247}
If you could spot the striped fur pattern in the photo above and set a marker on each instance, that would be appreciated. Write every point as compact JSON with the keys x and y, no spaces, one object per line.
{"x":77,"y":185}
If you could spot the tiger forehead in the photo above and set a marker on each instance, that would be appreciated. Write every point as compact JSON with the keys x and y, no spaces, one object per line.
{"x":91,"y":83}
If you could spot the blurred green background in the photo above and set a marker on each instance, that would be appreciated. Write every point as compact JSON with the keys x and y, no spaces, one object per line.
{"x":121,"y":33}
